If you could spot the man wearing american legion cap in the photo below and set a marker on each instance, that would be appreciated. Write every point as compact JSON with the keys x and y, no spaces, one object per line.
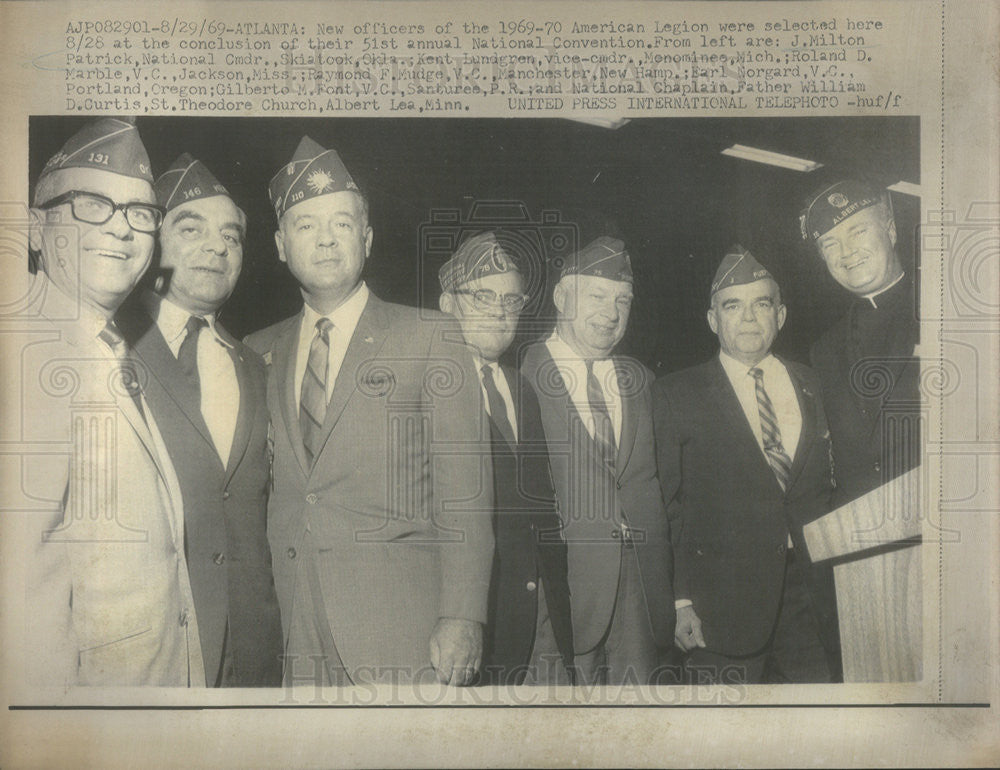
{"x":207,"y":392}
{"x":379,"y":514}
{"x":108,"y":601}
{"x":597,"y":415}
{"x":529,"y":633}
{"x":876,"y":432}
{"x":743,"y":457}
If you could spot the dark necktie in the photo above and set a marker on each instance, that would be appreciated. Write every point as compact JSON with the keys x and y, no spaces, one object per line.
{"x":312,"y":401}
{"x":604,"y":429}
{"x":113,"y":338}
{"x":187,"y":355}
{"x":779,"y":460}
{"x":498,"y":409}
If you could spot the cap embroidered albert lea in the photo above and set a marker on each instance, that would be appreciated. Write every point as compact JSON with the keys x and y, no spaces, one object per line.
{"x":835,"y":203}
{"x":187,"y":180}
{"x":108,"y":144}
{"x":604,"y":257}
{"x":738,"y":267}
{"x":477,"y":257}
{"x":313,"y":171}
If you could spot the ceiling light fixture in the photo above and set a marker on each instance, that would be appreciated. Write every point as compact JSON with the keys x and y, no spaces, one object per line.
{"x":771,"y":158}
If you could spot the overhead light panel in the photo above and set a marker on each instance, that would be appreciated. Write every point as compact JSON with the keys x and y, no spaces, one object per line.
{"x":771,"y":158}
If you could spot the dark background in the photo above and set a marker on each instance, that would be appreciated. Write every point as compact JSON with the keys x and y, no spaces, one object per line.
{"x":659,"y":184}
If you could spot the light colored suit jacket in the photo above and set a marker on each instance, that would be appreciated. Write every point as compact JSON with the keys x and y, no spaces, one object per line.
{"x":108,"y":597}
{"x":398,"y":503}
{"x":595,"y":499}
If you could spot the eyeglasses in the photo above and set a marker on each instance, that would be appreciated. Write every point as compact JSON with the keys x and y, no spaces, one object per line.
{"x":97,"y":209}
{"x":486,"y":300}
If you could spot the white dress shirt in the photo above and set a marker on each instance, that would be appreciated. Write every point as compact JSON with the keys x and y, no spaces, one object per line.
{"x":573,"y":369}
{"x":345,"y":320}
{"x":220,"y":387}
{"x":500,"y":380}
{"x":780,"y":391}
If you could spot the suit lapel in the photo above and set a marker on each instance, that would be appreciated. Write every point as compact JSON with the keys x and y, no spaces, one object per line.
{"x":807,"y":408}
{"x":742,"y":439}
{"x":629,"y":415}
{"x":251,"y":399}
{"x":365,"y":343}
{"x":153,"y":352}
{"x":283,"y":354}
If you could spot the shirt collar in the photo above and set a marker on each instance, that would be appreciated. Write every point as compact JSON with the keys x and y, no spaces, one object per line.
{"x":58,"y":307}
{"x":172,"y":319}
{"x":737,"y":369}
{"x":346,"y":315}
{"x":562,"y":352}
{"x":871,"y":297}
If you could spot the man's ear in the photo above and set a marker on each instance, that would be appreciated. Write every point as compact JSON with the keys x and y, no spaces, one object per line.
{"x":447,"y":303}
{"x":368,"y":241}
{"x":279,"y":241}
{"x":782,"y":314}
{"x":560,"y":297}
{"x":713,"y":322}
{"x":891,"y":227}
{"x":36,"y":220}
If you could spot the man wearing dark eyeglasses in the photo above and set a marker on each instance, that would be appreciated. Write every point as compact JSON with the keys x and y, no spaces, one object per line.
{"x":528,"y":637}
{"x":108,"y":598}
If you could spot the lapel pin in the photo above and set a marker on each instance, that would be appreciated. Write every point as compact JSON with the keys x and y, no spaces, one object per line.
{"x":369,"y":340}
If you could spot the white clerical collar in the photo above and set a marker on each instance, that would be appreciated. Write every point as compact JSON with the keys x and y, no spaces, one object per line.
{"x":871,"y":297}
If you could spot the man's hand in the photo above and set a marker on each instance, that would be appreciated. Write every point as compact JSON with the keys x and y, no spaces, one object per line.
{"x":687,"y":632}
{"x":456,"y":650}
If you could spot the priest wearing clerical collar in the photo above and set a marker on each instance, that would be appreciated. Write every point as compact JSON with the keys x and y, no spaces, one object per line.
{"x":867,"y":361}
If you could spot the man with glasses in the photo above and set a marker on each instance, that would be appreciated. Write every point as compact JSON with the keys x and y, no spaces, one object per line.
{"x":529,"y":633}
{"x":207,"y":392}
{"x":379,"y":514}
{"x":598,"y":418}
{"x":108,"y":601}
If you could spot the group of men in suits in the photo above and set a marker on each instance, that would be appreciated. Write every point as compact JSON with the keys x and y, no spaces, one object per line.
{"x":363,"y":492}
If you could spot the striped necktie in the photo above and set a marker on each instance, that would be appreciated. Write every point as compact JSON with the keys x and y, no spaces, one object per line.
{"x":498,"y":409}
{"x":312,"y":402}
{"x":113,"y":338}
{"x":604,"y":429}
{"x":779,"y":460}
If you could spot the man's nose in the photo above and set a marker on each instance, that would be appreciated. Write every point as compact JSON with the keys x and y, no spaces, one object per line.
{"x":118,"y":226}
{"x":216,"y":244}
{"x":327,"y":235}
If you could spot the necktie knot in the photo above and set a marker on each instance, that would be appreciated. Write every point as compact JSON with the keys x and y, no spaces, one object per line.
{"x":111,"y":337}
{"x":194,"y":325}
{"x":323,"y":327}
{"x":758,"y":373}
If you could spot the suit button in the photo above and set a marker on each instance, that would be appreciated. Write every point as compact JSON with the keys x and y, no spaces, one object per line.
{"x":878,"y":467}
{"x":616,"y":533}
{"x":781,"y":548}
{"x":225,"y":495}
{"x":291,"y":553}
{"x":311,"y":498}
{"x":183,"y":619}
{"x":531,"y":585}
{"x":218,"y":558}
{"x":618,"y":484}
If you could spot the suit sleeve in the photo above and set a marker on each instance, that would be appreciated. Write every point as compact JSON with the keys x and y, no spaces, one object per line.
{"x":669,"y":469}
{"x":462,"y":478}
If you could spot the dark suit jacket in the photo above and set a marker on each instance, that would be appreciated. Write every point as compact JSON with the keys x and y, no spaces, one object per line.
{"x":595,"y":499}
{"x":225,"y":508}
{"x":729,"y":518}
{"x":870,"y":382}
{"x":399,"y":501}
{"x":529,"y":545}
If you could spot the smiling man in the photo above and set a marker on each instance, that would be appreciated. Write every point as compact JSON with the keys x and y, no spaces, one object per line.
{"x":379,"y":515}
{"x":109,"y":602}
{"x":207,"y":391}
{"x":876,"y":430}
{"x":743,"y":459}
{"x":597,"y":413}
